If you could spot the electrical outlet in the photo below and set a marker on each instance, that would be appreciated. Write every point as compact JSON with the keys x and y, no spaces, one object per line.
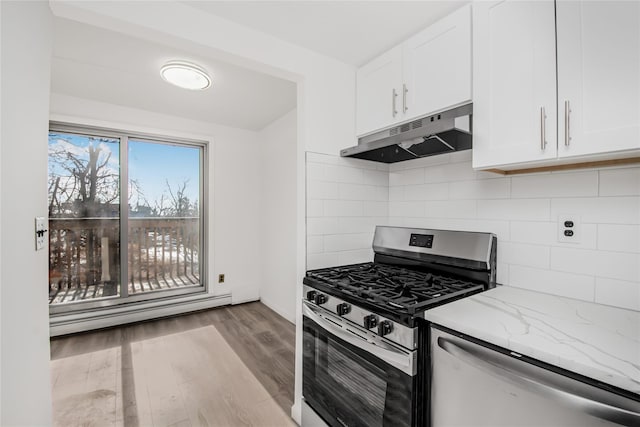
{"x":41,"y":229}
{"x":220,"y":278}
{"x":569,"y":230}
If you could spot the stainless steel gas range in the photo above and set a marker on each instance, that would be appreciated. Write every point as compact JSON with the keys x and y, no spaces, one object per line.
{"x":365,"y":340}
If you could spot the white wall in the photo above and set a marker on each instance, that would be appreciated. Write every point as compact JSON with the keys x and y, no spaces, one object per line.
{"x":278,"y":143}
{"x":26,"y":61}
{"x":326,"y":87}
{"x":234,"y":185}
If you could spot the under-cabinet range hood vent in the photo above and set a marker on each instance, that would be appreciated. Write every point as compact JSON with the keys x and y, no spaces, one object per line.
{"x":436,"y":134}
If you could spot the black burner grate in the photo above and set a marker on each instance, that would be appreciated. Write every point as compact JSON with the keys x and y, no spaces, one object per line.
{"x":396,"y":287}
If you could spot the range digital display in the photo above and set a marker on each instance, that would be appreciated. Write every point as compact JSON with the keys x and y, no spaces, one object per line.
{"x":421,"y":240}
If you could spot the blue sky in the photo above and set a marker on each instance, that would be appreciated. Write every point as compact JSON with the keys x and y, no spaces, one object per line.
{"x":151,"y":164}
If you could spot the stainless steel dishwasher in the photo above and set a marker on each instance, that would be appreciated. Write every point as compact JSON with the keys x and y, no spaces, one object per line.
{"x":478,"y":384}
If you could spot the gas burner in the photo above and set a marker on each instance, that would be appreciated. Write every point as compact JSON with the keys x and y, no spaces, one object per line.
{"x":400,"y":288}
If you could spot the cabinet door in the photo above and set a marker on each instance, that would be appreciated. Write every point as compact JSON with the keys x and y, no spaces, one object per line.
{"x":599,"y":76}
{"x":379,"y":97}
{"x":437,"y":66}
{"x":514,"y":81}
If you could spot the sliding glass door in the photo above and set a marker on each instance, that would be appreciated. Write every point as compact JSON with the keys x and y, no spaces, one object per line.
{"x":125,"y":217}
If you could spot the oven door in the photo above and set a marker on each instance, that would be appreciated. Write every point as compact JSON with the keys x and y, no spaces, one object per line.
{"x":352,"y":377}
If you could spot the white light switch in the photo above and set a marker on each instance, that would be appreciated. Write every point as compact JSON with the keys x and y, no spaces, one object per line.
{"x":41,"y":229}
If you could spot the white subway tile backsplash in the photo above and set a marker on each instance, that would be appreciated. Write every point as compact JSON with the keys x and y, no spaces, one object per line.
{"x":426,"y":192}
{"x":343,"y":208}
{"x":323,"y":225}
{"x":418,"y":222}
{"x":376,"y":209}
{"x":381,"y":194}
{"x":461,"y":156}
{"x":618,"y":265}
{"x":606,"y":210}
{"x":357,"y":224}
{"x":396,"y":194}
{"x":502,"y":276}
{"x":407,"y":209}
{"x":620,"y":182}
{"x":450,"y":209}
{"x":449,"y":173}
{"x":323,"y":260}
{"x":523,"y":254}
{"x":420,"y":163}
{"x":347,"y":242}
{"x":344,"y":161}
{"x":581,"y":261}
{"x":619,"y":238}
{"x":497,"y":188}
{"x":511,"y":209}
{"x":618,"y":293}
{"x":578,"y":184}
{"x":356,"y":192}
{"x":315,"y":171}
{"x":546,"y":233}
{"x":344,"y":174}
{"x":376,"y":177}
{"x":314,"y":208}
{"x":347,"y":198}
{"x":355,"y":257}
{"x":541,"y":233}
{"x":315,"y":244}
{"x":406,"y":177}
{"x":553,"y":282}
{"x":321,"y":190}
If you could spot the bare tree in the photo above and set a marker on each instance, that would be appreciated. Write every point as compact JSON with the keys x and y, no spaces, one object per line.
{"x":83,"y":184}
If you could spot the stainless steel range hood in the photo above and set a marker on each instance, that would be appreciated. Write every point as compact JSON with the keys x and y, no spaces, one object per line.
{"x":436,"y":134}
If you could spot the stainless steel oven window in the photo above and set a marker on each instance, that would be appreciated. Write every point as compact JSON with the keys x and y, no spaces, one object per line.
{"x":181,"y":246}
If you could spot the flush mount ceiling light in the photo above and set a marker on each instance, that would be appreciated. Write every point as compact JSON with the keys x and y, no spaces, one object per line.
{"x":185,"y":75}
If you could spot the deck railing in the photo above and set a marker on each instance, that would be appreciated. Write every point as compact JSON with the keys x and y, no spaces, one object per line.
{"x":85,"y":260}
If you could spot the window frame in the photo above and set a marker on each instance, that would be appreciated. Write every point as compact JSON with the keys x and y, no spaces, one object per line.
{"x":139,"y":299}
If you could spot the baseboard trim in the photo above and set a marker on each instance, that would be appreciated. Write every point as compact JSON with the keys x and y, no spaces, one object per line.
{"x":80,"y":322}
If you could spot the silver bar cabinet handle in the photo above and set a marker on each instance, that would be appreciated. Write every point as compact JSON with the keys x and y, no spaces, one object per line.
{"x":567,"y":123}
{"x":404,"y":98}
{"x":543,"y":131}
{"x":394,"y":95}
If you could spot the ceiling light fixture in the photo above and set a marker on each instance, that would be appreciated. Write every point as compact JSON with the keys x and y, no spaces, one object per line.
{"x":185,"y":75}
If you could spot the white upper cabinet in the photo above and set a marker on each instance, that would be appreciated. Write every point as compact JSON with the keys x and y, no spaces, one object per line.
{"x":428,"y":73}
{"x":514,"y":89}
{"x":437,"y":66}
{"x":378,"y":87}
{"x":598,"y":76}
{"x":591,"y":100}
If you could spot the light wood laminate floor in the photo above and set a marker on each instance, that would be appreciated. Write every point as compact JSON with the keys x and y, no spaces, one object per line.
{"x":229,"y":366}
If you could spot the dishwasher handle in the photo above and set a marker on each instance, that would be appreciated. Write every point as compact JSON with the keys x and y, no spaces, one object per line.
{"x":573,"y":393}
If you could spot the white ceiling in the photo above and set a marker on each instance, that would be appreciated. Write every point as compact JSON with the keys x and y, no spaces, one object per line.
{"x":349,"y":31}
{"x":112,"y":67}
{"x":108,"y":66}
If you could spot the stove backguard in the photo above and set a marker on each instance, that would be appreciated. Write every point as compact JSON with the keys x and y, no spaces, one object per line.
{"x":465,"y":254}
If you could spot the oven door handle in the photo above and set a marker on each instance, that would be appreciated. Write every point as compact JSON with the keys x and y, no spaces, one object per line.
{"x":398,"y":358}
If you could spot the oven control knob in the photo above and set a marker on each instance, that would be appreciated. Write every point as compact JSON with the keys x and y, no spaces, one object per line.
{"x":370,"y":321}
{"x":385,"y":327}
{"x":320,"y":299}
{"x":343,"y":308}
{"x":311,"y":295}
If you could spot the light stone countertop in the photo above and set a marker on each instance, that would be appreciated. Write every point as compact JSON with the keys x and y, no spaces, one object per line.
{"x":597,"y":341}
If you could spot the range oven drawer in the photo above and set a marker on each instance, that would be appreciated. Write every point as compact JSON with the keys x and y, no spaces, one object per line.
{"x":353,"y":380}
